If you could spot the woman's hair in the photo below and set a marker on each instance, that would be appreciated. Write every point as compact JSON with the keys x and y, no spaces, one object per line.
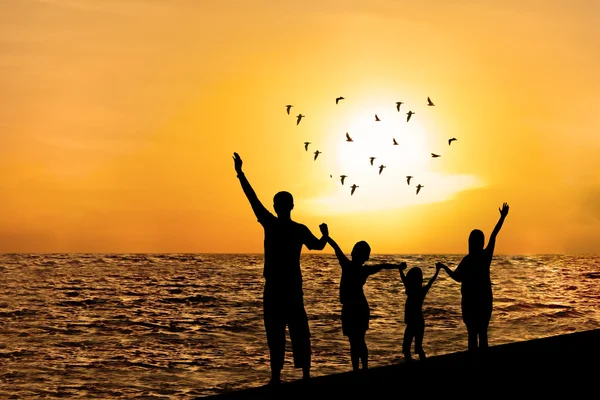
{"x":476,"y":241}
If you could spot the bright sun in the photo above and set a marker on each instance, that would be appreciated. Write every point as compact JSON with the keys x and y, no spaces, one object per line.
{"x":411,"y":156}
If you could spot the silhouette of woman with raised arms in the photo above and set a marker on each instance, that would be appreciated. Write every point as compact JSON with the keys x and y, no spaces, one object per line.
{"x":355,"y":308}
{"x":283,"y":298}
{"x":413,"y":308}
{"x":473,"y":273}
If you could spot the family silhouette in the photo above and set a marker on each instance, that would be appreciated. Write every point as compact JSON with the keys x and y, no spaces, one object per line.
{"x":283,"y":297}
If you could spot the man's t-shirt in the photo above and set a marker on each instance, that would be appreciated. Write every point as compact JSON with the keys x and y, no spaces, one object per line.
{"x":283,"y":245}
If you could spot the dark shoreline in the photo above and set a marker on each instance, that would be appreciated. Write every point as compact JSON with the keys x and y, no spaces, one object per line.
{"x":562,"y":364}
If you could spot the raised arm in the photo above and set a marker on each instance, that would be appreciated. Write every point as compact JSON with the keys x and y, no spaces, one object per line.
{"x":259,"y":210}
{"x":452,"y":274}
{"x":402,"y":276}
{"x":433,"y":278}
{"x":311,"y":241}
{"x":503,"y":214}
{"x":338,"y":252}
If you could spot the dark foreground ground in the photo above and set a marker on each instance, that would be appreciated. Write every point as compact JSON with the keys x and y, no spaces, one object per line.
{"x":559,"y":366}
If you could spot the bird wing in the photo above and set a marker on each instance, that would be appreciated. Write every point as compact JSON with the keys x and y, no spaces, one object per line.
{"x":348,"y":136}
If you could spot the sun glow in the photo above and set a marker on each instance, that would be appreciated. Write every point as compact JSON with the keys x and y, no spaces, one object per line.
{"x":384,"y":184}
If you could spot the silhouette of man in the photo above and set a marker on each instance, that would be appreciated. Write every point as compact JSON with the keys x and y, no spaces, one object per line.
{"x":283,"y":298}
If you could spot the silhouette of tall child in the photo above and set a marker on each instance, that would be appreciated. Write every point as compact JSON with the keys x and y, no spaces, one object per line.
{"x":473,"y":273}
{"x":283,"y":298}
{"x":355,"y":308}
{"x":413,"y":308}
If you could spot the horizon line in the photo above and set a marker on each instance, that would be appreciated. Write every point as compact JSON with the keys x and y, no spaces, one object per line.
{"x":313,"y":252}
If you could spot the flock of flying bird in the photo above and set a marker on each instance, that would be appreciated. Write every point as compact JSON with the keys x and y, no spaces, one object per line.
{"x":371,"y":159}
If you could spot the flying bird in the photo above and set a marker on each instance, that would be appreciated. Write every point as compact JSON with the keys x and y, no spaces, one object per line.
{"x":419,"y":186}
{"x":306,"y":145}
{"x":372,"y":159}
{"x":338,"y":99}
{"x":410,"y":113}
{"x":288,"y":108}
{"x":353,"y":189}
{"x":381,"y":167}
{"x":377,"y":118}
{"x":451,"y":140}
{"x":317,"y":154}
{"x":408,"y":179}
{"x":343,"y":177}
{"x":435,"y":155}
{"x":300,"y":116}
{"x":348,"y":138}
{"x":395,"y":143}
{"x":429,"y":102}
{"x":398,"y":104}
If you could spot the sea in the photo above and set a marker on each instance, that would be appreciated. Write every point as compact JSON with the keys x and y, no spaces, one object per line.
{"x":183,"y":326}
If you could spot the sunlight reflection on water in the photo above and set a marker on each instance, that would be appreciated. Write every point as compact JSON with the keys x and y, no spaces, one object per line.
{"x":188,"y":325}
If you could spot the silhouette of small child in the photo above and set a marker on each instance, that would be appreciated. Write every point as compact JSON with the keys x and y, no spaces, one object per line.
{"x":355,"y":308}
{"x":413,"y":308}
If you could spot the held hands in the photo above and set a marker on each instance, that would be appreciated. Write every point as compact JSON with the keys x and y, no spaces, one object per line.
{"x":402,"y":266}
{"x":324,"y":230}
{"x":237,"y":163}
{"x":503,"y":210}
{"x":439,"y":265}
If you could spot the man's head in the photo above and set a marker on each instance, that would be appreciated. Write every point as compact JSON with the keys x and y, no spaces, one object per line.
{"x":283,"y":203}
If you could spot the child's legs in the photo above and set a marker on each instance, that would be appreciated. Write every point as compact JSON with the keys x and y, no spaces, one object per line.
{"x":408,"y":336}
{"x":363,"y":350}
{"x":419,"y":333}
{"x":354,"y":351}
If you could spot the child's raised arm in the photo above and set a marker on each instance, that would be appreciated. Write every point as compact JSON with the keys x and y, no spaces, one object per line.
{"x":338,"y":252}
{"x":433,"y":278}
{"x":402,"y":276}
{"x":451,"y":274}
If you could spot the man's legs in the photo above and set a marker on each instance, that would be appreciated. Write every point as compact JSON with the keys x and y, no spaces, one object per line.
{"x":300,"y":337}
{"x":275,"y":329}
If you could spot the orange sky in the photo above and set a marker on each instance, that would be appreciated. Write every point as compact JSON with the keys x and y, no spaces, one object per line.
{"x":119,"y":119}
